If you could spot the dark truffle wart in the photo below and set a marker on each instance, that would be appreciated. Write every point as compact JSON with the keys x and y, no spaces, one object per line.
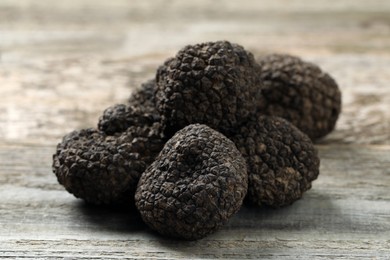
{"x":213,"y":83}
{"x":194,"y":186}
{"x":104,"y":169}
{"x":300,"y":92}
{"x":138,"y":111}
{"x":282,"y":161}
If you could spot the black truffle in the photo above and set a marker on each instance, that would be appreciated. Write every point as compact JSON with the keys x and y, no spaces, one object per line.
{"x":138,"y":111}
{"x":193,"y":187}
{"x":282,"y":161}
{"x":105,"y":169}
{"x":300,"y":92}
{"x":213,"y":83}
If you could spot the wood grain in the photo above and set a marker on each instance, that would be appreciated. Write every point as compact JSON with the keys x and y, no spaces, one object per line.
{"x":62,"y":64}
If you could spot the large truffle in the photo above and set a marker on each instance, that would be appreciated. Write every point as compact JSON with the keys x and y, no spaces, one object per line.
{"x":193,"y":187}
{"x":300,"y":92}
{"x":138,"y":111}
{"x":105,"y":169}
{"x":213,"y":83}
{"x":282,"y":161}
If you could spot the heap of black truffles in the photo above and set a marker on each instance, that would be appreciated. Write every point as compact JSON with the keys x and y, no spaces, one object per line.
{"x":214,"y":129}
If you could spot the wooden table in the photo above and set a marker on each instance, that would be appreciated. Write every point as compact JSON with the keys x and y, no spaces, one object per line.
{"x":63,"y":63}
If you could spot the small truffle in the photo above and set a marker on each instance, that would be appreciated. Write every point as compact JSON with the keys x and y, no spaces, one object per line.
{"x":213,"y":83}
{"x":282,"y":161}
{"x":300,"y":92}
{"x":138,"y":111}
{"x":196,"y":183}
{"x":104,"y":169}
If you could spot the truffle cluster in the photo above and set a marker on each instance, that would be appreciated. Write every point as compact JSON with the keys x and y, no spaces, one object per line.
{"x":188,"y":147}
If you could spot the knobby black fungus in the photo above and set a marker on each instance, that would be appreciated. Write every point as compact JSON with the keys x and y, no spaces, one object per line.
{"x":300,"y":92}
{"x":213,"y":83}
{"x":282,"y":161}
{"x":105,"y":169}
{"x":138,"y":111}
{"x":197,"y":182}
{"x":199,"y":178}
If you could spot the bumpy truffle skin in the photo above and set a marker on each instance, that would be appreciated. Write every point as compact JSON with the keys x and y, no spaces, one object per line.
{"x":139,"y":110}
{"x":282,"y":161}
{"x":104,"y":169}
{"x":193,"y":187}
{"x":300,"y":92}
{"x":213,"y":83}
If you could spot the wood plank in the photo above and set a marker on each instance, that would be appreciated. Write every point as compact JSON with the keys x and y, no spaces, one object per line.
{"x":62,"y":64}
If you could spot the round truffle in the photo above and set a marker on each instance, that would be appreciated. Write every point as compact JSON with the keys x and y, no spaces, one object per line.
{"x":300,"y":92}
{"x":213,"y":83}
{"x":282,"y":161}
{"x":104,"y":169}
{"x":138,"y":111}
{"x":197,"y":182}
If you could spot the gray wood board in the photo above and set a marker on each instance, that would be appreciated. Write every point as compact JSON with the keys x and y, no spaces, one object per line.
{"x":62,"y":64}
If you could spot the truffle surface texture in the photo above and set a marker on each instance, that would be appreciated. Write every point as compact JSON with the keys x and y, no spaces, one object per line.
{"x":212,"y":83}
{"x":194,"y":186}
{"x":138,"y":111}
{"x":300,"y":92}
{"x":282,"y":161}
{"x":105,"y":169}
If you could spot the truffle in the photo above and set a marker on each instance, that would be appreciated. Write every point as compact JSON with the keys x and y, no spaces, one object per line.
{"x":138,"y":111}
{"x":282,"y":161}
{"x":196,"y":183}
{"x":213,"y":83}
{"x":105,"y":169}
{"x":300,"y":92}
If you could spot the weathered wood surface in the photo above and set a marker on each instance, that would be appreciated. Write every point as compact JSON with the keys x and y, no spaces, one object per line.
{"x":62,"y":63}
